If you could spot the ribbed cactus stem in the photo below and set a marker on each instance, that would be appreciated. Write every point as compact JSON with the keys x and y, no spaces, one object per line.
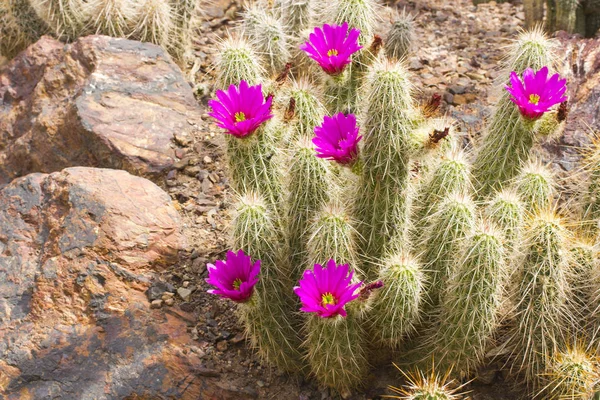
{"x":237,"y":61}
{"x":401,"y":38}
{"x":573,"y":373}
{"x":566,"y":15}
{"x":506,"y":211}
{"x":382,"y":200}
{"x":65,"y":17}
{"x":584,"y":266}
{"x":266,"y":34}
{"x":268,"y":318}
{"x":541,"y":311}
{"x":534,"y":12}
{"x":336,"y":355}
{"x":535,"y":186}
{"x":111,"y":17}
{"x":447,"y":230}
{"x":508,"y":141}
{"x":305,"y":109}
{"x":451,"y":174}
{"x":397,"y":305}
{"x":309,"y":186}
{"x":254,"y":163}
{"x":332,"y":237}
{"x":154,"y":22}
{"x":22,"y":26}
{"x":591,"y":197}
{"x":431,"y":138}
{"x":471,"y":302}
{"x":297,"y":15}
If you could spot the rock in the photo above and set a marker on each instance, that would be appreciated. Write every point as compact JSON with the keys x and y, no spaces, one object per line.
{"x":222,"y":345}
{"x":157,"y":289}
{"x":170,"y":301}
{"x":457,"y":89}
{"x":184,"y":293}
{"x":156,"y":303}
{"x":78,"y":251}
{"x":98,"y":102}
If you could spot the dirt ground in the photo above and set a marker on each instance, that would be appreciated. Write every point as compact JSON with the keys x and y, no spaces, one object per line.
{"x":458,"y":50}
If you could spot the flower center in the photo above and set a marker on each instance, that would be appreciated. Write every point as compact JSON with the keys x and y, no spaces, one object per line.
{"x":534,"y":99}
{"x":327,"y":298}
{"x":240,"y":116}
{"x":332,"y":52}
{"x":237,"y":283}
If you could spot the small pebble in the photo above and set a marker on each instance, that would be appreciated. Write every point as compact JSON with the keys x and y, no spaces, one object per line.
{"x":156,"y":303}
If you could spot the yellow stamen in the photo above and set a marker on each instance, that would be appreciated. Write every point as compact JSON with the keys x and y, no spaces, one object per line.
{"x":332,"y":52}
{"x":237,"y":283}
{"x":534,"y":99}
{"x":240,"y":116}
{"x":327,"y":298}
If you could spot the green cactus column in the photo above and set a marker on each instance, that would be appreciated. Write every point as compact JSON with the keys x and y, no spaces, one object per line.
{"x":508,"y":141}
{"x":535,"y":186}
{"x":382,"y":200}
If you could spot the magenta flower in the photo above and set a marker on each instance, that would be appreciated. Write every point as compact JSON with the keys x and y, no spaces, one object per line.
{"x":241,"y":111}
{"x":337,"y":138}
{"x":332,"y":46}
{"x":536,"y":94}
{"x":235,"y":277}
{"x":326,"y":291}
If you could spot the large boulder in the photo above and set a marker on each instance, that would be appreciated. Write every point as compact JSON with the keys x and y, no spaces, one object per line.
{"x":78,"y":251}
{"x":99,"y":102}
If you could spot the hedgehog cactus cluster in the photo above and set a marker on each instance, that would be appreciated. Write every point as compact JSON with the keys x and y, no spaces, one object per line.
{"x":364,"y":223}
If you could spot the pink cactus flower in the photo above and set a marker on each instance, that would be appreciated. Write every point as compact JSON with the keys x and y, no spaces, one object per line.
{"x":241,"y":110}
{"x":536,"y":94}
{"x":235,"y":277}
{"x":332,"y":46}
{"x":326,"y":290}
{"x":337,"y":138}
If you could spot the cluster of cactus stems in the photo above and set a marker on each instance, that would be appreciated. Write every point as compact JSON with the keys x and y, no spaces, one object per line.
{"x":168,"y":23}
{"x":407,"y":237}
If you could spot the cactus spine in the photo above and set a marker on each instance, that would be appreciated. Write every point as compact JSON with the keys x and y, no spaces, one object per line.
{"x":535,"y":186}
{"x":471,"y":301}
{"x":111,"y":17}
{"x":506,"y":211}
{"x":382,"y":200}
{"x":397,"y":306}
{"x":154,"y":22}
{"x":401,"y":37}
{"x":268,"y":316}
{"x":65,"y":17}
{"x":306,"y":108}
{"x":591,"y":209}
{"x":448,"y":228}
{"x":452,"y":174}
{"x":431,"y":386}
{"x":566,"y":15}
{"x":534,"y":12}
{"x":236,"y":61}
{"x":542,"y":295}
{"x":309,"y":182}
{"x":584,"y":264}
{"x":267,"y":36}
{"x":508,"y":142}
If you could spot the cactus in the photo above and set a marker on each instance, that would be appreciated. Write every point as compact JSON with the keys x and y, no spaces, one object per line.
{"x":111,"y":17}
{"x":268,"y":319}
{"x":431,"y":386}
{"x":65,"y":17}
{"x":431,"y":139}
{"x":306,"y":108}
{"x":584,"y":264}
{"x":591,"y":199}
{"x":236,"y":61}
{"x":297,"y":15}
{"x":541,"y":311}
{"x":506,"y":211}
{"x":267,"y":36}
{"x":453,"y":222}
{"x":20,"y":26}
{"x":508,"y":142}
{"x":573,"y":373}
{"x":534,"y":12}
{"x":401,"y":38}
{"x":154,"y":22}
{"x":336,"y":354}
{"x":309,"y":182}
{"x":254,"y":164}
{"x":397,"y":305}
{"x":451,"y":174}
{"x":566,"y":15}
{"x":387,"y":124}
{"x":535,"y":186}
{"x":184,"y":11}
{"x":471,"y":301}
{"x":332,"y":237}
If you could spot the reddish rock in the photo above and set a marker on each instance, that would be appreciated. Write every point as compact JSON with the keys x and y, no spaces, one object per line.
{"x":78,"y":250}
{"x":100,"y":102}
